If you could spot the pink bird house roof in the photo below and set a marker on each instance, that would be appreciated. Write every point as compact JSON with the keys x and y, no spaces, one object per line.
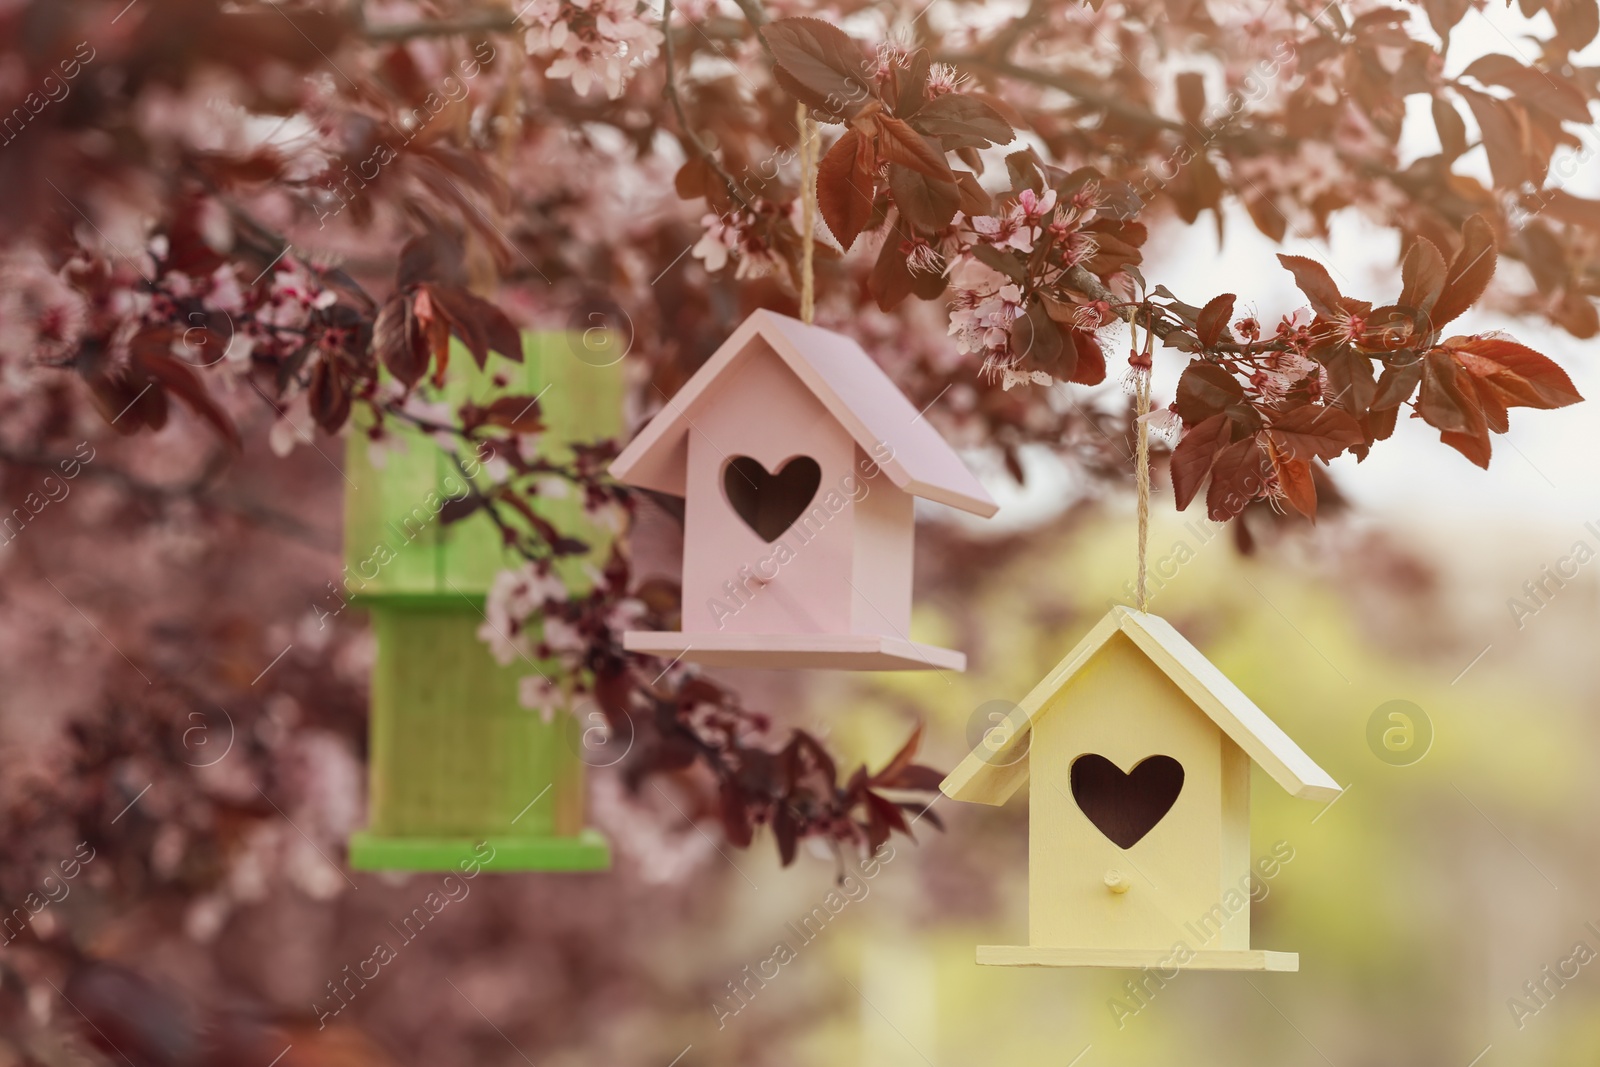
{"x":853,"y":389}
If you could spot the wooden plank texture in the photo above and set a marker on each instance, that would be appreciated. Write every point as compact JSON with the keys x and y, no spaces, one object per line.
{"x":1162,"y":959}
{"x":453,"y":752}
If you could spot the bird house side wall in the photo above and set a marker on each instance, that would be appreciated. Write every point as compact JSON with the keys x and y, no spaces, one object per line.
{"x":1120,"y":706}
{"x":884,"y":540}
{"x":734,"y":581}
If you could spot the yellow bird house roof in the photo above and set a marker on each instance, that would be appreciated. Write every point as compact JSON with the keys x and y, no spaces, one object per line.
{"x":990,"y":776}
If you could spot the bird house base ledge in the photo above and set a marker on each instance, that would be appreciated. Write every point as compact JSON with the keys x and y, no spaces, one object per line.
{"x":845,"y":652}
{"x":584,"y":851}
{"x":1135,"y":958}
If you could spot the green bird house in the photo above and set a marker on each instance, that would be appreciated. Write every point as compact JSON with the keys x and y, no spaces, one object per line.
{"x":456,"y":762}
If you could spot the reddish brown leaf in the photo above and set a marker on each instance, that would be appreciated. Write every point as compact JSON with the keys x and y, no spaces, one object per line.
{"x":1577,"y":22}
{"x":928,"y":204}
{"x":1422,"y":273}
{"x":1490,"y":401}
{"x":919,"y":777}
{"x":1314,"y":281}
{"x":431,"y":257}
{"x":1443,"y":404}
{"x":1204,"y":390}
{"x":898,"y":143}
{"x":432,"y":323}
{"x":1194,"y":455}
{"x":911,"y":85}
{"x":787,"y":832}
{"x":826,"y":107}
{"x":1560,"y":204}
{"x":482,"y":326}
{"x":1268,"y":219}
{"x":888,"y":814}
{"x":181,"y":380}
{"x":1475,"y":446}
{"x":892,"y":280}
{"x":822,"y":58}
{"x":1091,"y":365}
{"x":694,"y":178}
{"x":1237,"y":477}
{"x":1398,"y":381}
{"x":975,"y":200}
{"x":900,"y":760}
{"x":1001,"y":260}
{"x":1451,"y":128}
{"x":1299,"y":488}
{"x":845,"y":186}
{"x":1444,"y":14}
{"x":735,"y":813}
{"x":1312,"y":430}
{"x":1470,"y":272}
{"x":961,"y":121}
{"x":1549,"y":91}
{"x":1504,"y":127}
{"x":1036,"y":338}
{"x":1350,"y":380}
{"x":1576,"y":314}
{"x":1213,"y":321}
{"x":519,"y":413}
{"x":327,"y":397}
{"x":398,"y":343}
{"x":1191,"y":86}
{"x":1524,"y":377}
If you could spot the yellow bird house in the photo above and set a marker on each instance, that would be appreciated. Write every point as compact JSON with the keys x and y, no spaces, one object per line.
{"x":1139,"y":826}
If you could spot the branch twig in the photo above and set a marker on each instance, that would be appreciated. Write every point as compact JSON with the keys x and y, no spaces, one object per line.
{"x":669,"y":57}
{"x":477,"y":22}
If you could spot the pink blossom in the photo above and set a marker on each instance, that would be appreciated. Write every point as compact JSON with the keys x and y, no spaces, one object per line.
{"x":981,"y":324}
{"x":538,"y":693}
{"x":514,"y":597}
{"x":1164,"y":423}
{"x":736,"y":237}
{"x":42,"y":317}
{"x":921,"y":257}
{"x":596,"y":42}
{"x":942,"y":79}
{"x":1280,"y":372}
{"x":890,"y":56}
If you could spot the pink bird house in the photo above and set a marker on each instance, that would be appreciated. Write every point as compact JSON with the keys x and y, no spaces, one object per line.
{"x":799,"y":463}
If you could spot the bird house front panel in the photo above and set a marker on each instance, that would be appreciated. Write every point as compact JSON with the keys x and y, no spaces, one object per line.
{"x":770,"y":517}
{"x":1139,"y":818}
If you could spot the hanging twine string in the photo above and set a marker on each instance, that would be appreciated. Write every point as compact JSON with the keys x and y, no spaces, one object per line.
{"x":808,"y":210}
{"x":1141,"y":362}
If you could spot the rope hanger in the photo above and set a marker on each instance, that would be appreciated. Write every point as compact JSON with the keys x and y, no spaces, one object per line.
{"x":1141,"y":361}
{"x":808,"y":149}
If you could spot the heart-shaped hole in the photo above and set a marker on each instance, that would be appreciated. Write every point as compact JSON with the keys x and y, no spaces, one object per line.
{"x":1125,"y":807}
{"x":769,"y":503}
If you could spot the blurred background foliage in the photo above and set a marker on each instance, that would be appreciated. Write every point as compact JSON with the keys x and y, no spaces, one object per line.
{"x":1421,"y":901}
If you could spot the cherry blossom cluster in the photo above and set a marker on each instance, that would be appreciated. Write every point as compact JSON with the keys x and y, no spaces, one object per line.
{"x":593,"y":42}
{"x":985,"y":303}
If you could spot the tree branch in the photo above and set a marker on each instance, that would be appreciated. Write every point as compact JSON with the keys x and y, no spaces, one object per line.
{"x":668,"y":53}
{"x":197,"y":489}
{"x":477,"y":22}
